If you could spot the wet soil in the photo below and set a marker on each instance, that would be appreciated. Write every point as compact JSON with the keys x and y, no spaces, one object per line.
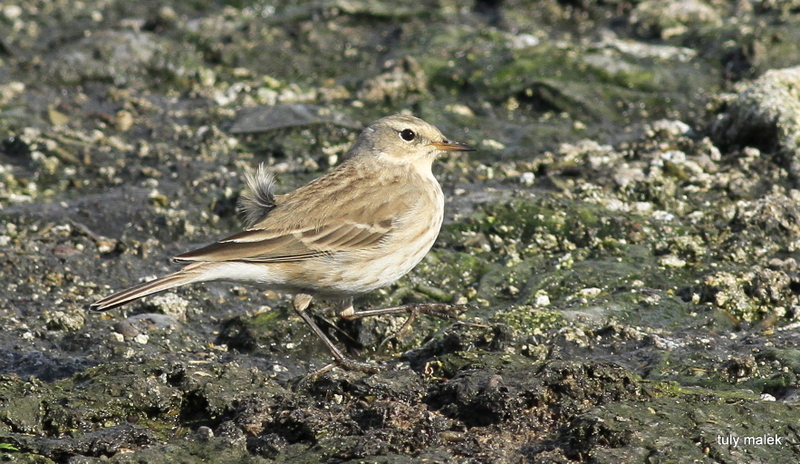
{"x":625,"y":239}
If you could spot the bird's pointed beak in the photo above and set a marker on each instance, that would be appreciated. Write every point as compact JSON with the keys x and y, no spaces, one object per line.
{"x":449,"y":145}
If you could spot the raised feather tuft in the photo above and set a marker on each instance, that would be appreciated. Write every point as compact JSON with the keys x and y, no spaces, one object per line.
{"x":259,"y":197}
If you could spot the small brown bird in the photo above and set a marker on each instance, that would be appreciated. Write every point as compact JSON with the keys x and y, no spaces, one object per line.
{"x":360,"y":227}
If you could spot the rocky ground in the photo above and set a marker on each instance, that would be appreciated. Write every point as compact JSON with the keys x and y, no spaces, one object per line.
{"x":626,"y":238}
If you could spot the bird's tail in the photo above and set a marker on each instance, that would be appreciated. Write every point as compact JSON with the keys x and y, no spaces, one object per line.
{"x":186,"y":275}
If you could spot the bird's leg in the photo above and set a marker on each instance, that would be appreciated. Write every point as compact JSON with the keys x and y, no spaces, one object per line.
{"x":300,"y":303}
{"x":440,"y":310}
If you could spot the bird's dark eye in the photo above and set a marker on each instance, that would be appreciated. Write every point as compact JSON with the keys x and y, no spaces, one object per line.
{"x":408,"y":135}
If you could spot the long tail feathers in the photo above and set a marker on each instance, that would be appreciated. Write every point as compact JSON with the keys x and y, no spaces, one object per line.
{"x":173,"y":280}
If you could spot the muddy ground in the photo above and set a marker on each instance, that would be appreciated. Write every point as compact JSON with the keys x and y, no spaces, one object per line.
{"x":625,"y":239}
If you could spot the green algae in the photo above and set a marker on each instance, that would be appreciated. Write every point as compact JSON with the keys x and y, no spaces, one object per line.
{"x":669,"y":257}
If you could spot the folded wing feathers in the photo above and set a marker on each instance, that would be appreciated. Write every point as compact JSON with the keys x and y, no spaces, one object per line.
{"x":263,"y":246}
{"x":261,"y":242}
{"x":345,"y":236}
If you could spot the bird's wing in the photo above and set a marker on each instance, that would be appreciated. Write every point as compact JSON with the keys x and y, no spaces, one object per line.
{"x":321,"y":218}
{"x":267,"y":246}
